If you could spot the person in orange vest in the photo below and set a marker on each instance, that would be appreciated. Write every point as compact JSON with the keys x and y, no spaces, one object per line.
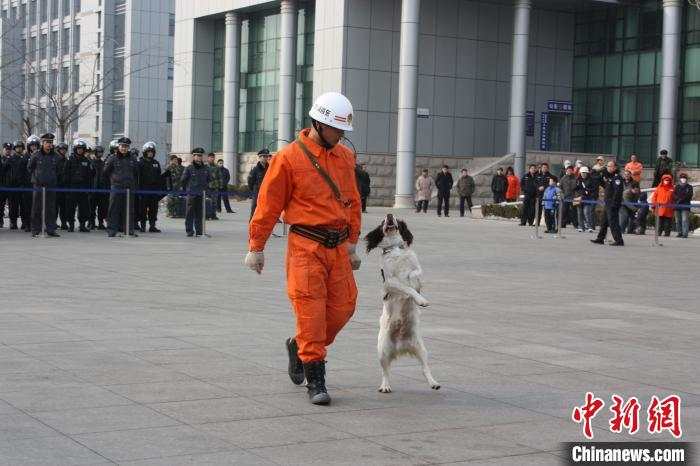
{"x":635,"y":168}
{"x":312,"y":181}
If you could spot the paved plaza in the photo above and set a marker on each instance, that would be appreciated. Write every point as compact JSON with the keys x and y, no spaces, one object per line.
{"x":165,"y":350}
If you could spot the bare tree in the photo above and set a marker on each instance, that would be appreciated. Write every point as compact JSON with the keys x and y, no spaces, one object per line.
{"x":50,"y":97}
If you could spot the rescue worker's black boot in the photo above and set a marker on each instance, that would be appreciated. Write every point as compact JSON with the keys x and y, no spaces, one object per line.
{"x":315,"y":373}
{"x":296,"y":368}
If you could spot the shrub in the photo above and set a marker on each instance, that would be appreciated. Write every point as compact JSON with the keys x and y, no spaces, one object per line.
{"x":497,"y":210}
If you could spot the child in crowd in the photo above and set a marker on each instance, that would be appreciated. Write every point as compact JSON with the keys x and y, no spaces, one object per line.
{"x":550,"y":203}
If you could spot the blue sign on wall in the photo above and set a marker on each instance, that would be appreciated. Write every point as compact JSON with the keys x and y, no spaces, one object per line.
{"x":544,"y":131}
{"x":529,"y":123}
{"x":560,"y":106}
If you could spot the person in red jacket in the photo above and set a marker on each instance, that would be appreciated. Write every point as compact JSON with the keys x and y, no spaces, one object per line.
{"x":663,"y":194}
{"x":513,"y":190}
{"x":312,"y":181}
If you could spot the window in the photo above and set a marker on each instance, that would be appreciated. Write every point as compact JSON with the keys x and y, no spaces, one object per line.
{"x":54,"y":9}
{"x":99,"y":40}
{"x":15,"y":14}
{"x":118,"y":117}
{"x":54,"y":43}
{"x":53,"y":81}
{"x":32,"y":46}
{"x":42,"y":46}
{"x":171,"y":24}
{"x":43,"y":11}
{"x":76,"y":78}
{"x":99,"y":20}
{"x":171,"y":68}
{"x":97,"y":122}
{"x":65,"y":79}
{"x":97,"y":103}
{"x":65,"y":44}
{"x":43,"y":84}
{"x":76,"y":6}
{"x":118,"y":74}
{"x":99,"y":61}
{"x":32,"y":13}
{"x":76,"y":39}
{"x":31,"y":86}
{"x":169,"y":112}
{"x":119,"y":30}
{"x":66,"y":7}
{"x":22,"y":88}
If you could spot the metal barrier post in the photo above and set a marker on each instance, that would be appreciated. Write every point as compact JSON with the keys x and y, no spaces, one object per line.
{"x":204,"y":213}
{"x":560,"y":219}
{"x":127,"y":216}
{"x":43,"y":211}
{"x":657,"y":227}
{"x":537,"y":216}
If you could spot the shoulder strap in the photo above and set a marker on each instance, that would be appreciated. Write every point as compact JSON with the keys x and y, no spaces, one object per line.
{"x":324,"y":174}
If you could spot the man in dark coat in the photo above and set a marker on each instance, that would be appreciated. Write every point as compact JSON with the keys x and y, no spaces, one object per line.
{"x":255,"y":178}
{"x":121,"y":169}
{"x":499,"y":186}
{"x":44,"y":166}
{"x":444,"y":183}
{"x":614,"y":188}
{"x":363,"y":184}
{"x":664,"y":166}
{"x":151,"y":178}
{"x":223,"y":193}
{"x":195,"y":180}
{"x":528,"y":186}
{"x":78,"y":175}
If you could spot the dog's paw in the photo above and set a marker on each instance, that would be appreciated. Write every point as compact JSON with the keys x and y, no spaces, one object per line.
{"x":435,"y":386}
{"x":385,"y":389}
{"x":422,"y":302}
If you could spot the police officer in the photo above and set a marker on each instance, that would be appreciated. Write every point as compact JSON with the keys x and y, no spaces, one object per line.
{"x":61,"y":197}
{"x":99,"y":201}
{"x":195,"y":180}
{"x":25,"y":198}
{"x":121,"y":169}
{"x":215,"y":185}
{"x":16,"y":177}
{"x":614,"y":187}
{"x":79,"y":176}
{"x":176,"y":202}
{"x":223,"y":192}
{"x":528,"y":185}
{"x":5,"y":196}
{"x":150,"y":179}
{"x":43,"y":166}
{"x":33,"y":146}
{"x":255,"y":178}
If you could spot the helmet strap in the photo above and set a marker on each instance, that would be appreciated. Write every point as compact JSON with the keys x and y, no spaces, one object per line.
{"x":319,"y":130}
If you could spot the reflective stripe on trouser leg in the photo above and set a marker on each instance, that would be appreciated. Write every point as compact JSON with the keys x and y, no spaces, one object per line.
{"x":322,"y":289}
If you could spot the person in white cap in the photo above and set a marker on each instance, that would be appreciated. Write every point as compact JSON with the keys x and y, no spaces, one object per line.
{"x":312,"y":181}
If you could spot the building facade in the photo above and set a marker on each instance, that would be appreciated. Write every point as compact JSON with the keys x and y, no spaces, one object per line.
{"x":440,"y":78}
{"x":108,"y":65}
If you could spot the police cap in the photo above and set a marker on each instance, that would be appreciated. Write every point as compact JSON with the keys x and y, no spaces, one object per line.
{"x":124,"y":140}
{"x":48,"y":137}
{"x":8,"y":145}
{"x":198,"y":150}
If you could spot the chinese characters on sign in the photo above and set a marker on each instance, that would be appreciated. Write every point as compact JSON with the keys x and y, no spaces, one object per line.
{"x":560,"y":106}
{"x":529,"y":123}
{"x":662,"y":415}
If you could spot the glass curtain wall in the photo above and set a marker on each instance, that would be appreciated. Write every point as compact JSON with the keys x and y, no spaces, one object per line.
{"x":259,"y":80}
{"x":689,"y":123}
{"x":617,"y":70}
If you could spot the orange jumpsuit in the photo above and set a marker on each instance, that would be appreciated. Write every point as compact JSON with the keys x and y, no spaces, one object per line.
{"x":320,"y":282}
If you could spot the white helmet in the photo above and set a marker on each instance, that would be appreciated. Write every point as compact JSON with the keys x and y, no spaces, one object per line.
{"x":33,"y":139}
{"x":333,"y":109}
{"x":567,"y":163}
{"x":150,"y":145}
{"x":80,"y":142}
{"x":584,"y":169}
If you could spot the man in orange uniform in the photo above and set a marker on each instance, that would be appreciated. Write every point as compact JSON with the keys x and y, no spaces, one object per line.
{"x":312,"y":181}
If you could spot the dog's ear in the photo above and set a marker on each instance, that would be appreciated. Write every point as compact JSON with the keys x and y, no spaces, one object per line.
{"x":374,"y":237}
{"x":405,"y":233}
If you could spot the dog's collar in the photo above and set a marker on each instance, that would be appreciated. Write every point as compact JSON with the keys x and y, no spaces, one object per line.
{"x":388,"y":250}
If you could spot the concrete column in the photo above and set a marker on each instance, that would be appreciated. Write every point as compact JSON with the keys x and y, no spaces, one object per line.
{"x":288,"y":71}
{"x":232,"y":68}
{"x":408,"y":96}
{"x":670,"y":75}
{"x":518,"y":84}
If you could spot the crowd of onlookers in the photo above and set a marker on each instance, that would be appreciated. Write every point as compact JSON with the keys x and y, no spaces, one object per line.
{"x":571,"y":196}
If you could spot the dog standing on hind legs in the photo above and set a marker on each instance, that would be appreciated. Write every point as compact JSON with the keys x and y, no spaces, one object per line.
{"x":399,"y":325}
